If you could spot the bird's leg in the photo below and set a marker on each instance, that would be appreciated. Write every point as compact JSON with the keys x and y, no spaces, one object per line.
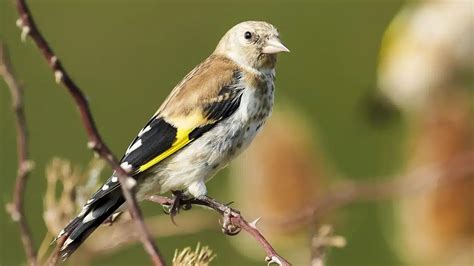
{"x":179,"y":202}
{"x":228,"y":227}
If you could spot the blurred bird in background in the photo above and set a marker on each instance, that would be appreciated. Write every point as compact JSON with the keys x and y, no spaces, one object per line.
{"x":426,"y":69}
{"x":207,"y":120}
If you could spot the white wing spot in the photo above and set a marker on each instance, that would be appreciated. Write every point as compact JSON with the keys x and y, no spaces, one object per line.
{"x":144,"y":130}
{"x":126,"y":166}
{"x":135,"y":146}
{"x":66,"y":243}
{"x":105,"y":187}
{"x":114,"y":179}
{"x":89,"y":217}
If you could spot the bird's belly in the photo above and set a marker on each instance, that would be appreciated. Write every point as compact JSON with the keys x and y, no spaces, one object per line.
{"x":203,"y":158}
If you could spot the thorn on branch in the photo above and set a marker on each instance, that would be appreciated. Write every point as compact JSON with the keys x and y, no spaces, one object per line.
{"x":254,"y":223}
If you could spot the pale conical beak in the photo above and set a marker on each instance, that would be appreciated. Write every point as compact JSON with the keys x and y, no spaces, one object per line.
{"x":273,"y":46}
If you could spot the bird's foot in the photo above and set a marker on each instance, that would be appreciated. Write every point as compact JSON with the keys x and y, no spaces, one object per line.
{"x":228,"y":214}
{"x":228,"y":226}
{"x":180,"y":201}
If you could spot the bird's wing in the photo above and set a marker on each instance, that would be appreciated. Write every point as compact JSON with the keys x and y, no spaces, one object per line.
{"x":208,"y":94}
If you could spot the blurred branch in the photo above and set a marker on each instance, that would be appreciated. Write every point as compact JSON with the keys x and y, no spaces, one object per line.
{"x":321,"y":241}
{"x":29,"y":28}
{"x":418,"y":180}
{"x":16,"y":209}
{"x":232,"y":224}
{"x":106,"y":241}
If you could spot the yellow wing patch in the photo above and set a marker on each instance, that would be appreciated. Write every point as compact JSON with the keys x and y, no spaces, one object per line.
{"x":182,"y":139}
{"x":185,"y":125}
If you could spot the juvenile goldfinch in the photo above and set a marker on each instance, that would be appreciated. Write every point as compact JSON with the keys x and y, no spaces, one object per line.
{"x":207,"y":120}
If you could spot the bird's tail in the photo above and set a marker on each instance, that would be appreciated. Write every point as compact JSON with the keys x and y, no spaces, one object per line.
{"x":91,"y":217}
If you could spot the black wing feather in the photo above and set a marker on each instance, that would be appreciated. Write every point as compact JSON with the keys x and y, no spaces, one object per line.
{"x":155,"y":141}
{"x":158,"y":139}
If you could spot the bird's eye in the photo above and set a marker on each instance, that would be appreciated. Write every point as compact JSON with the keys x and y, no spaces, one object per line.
{"x":248,"y":35}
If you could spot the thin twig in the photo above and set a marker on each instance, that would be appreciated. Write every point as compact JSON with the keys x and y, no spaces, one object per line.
{"x":251,"y":228}
{"x":53,"y":259}
{"x":420,"y":179}
{"x":29,"y":28}
{"x":24,"y":165}
{"x":233,"y":222}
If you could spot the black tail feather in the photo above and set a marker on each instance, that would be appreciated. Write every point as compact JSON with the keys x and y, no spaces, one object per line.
{"x":94,"y":215}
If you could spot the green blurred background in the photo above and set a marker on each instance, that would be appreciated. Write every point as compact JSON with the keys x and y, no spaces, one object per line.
{"x":128,"y":55}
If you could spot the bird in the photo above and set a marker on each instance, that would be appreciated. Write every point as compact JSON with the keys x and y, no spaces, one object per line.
{"x":209,"y":118}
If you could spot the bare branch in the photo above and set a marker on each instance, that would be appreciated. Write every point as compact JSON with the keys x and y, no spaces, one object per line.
{"x":53,"y":259}
{"x":24,"y":165}
{"x":29,"y":28}
{"x":233,"y":223}
{"x":251,"y":228}
{"x":420,"y":179}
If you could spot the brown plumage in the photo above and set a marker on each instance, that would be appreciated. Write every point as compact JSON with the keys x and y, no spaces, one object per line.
{"x":202,"y":84}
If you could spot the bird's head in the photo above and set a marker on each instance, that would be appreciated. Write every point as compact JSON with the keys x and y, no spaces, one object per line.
{"x":252,"y":44}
